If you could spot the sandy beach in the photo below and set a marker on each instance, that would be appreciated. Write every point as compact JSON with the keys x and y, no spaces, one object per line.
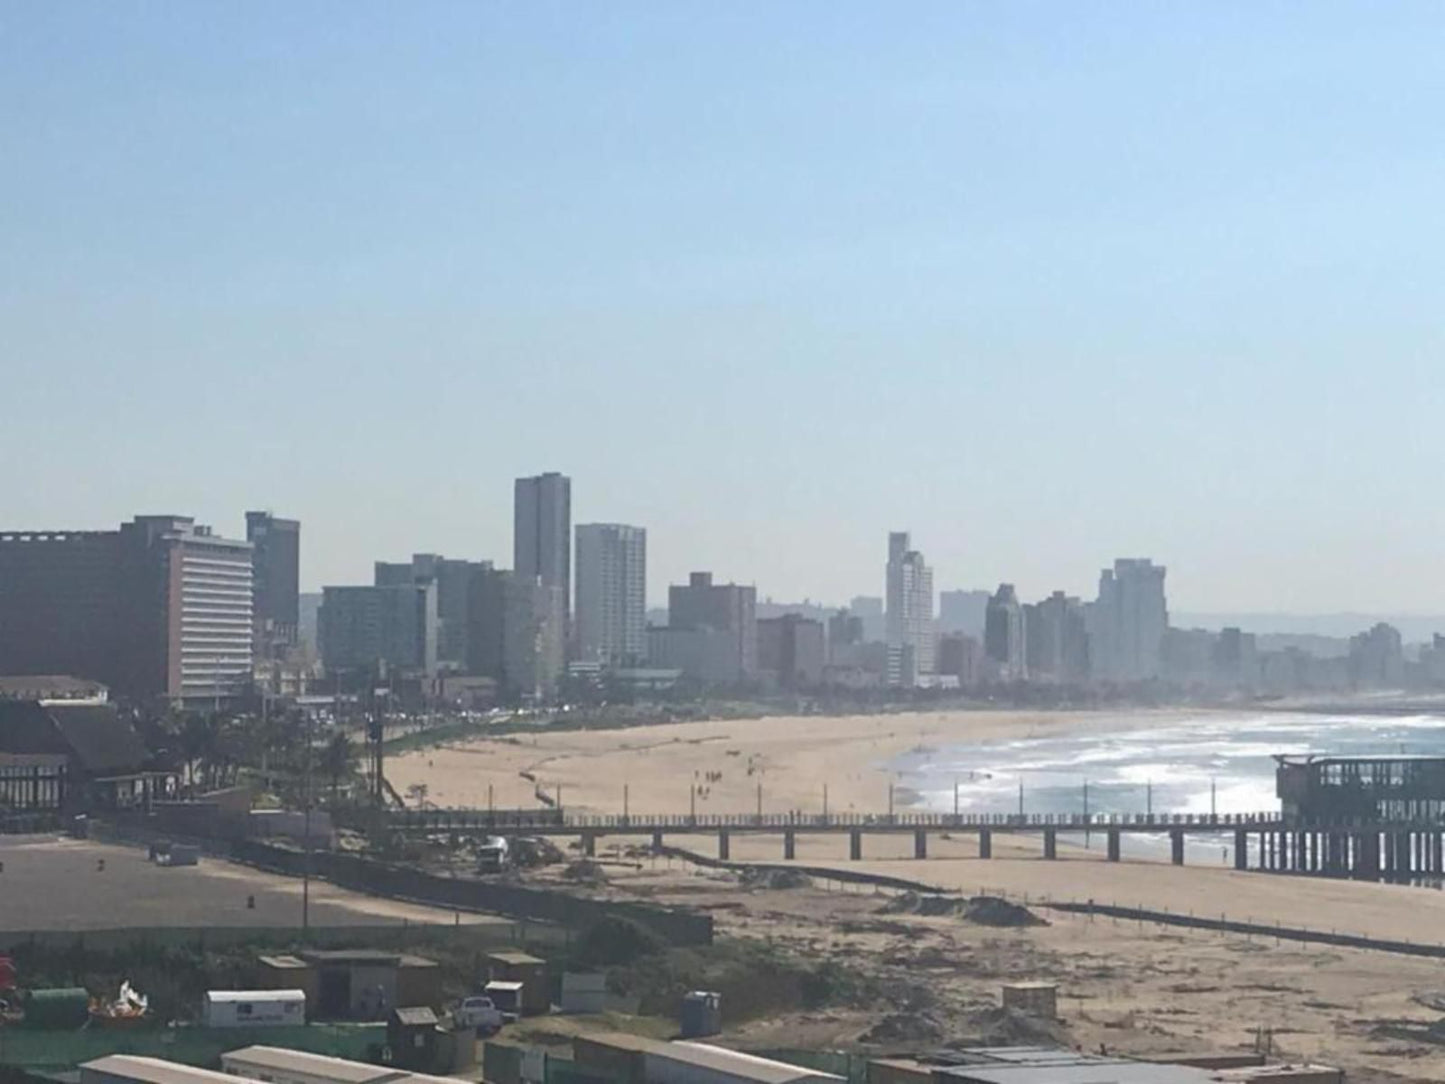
{"x":791,"y":758}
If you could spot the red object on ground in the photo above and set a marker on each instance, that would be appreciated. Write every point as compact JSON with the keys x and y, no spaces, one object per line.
{"x":7,"y":973}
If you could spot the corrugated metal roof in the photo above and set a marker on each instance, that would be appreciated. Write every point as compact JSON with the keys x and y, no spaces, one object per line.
{"x":299,"y":1061}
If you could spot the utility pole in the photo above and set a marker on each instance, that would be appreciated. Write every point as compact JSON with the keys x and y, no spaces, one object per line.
{"x":306,"y":850}
{"x":1021,"y":797}
{"x":1213,"y":812}
{"x":625,"y":799}
{"x":955,"y":797}
{"x":1149,"y":798}
{"x":1086,"y":813}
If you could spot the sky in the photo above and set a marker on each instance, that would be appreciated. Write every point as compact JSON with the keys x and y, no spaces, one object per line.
{"x":1044,"y":283}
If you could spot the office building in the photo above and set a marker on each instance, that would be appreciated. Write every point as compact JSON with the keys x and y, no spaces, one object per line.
{"x":844,"y":630}
{"x":1127,"y":622}
{"x":1057,"y":642}
{"x":910,"y":610}
{"x":390,"y":629}
{"x":276,"y":572}
{"x":542,"y":534}
{"x":1236,"y":659}
{"x":611,"y":614}
{"x":727,"y":613}
{"x":515,"y":634}
{"x":962,"y":611}
{"x":1377,"y":658}
{"x":160,"y":608}
{"x":958,"y":657}
{"x":869,"y":610}
{"x":453,"y":579}
{"x":791,"y":651}
{"x":1004,"y":636}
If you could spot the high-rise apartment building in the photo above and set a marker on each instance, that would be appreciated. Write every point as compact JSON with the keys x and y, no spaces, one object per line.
{"x":962,"y":611}
{"x":516,"y":634}
{"x":611,"y":612}
{"x":726,"y":615}
{"x":542,"y":533}
{"x":869,"y":610}
{"x":1004,"y":635}
{"x":910,"y":624}
{"x":791,"y":650}
{"x":276,"y":558}
{"x":1128,"y":621}
{"x":161,"y":607}
{"x":1377,"y":658}
{"x":390,"y":627}
{"x":1057,"y":640}
{"x":453,"y":579}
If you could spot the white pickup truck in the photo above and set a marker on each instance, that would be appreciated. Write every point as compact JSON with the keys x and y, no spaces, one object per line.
{"x":478,"y":1012}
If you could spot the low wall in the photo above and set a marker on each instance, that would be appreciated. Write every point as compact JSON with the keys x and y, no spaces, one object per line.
{"x":821,"y":873}
{"x":1249,"y":929}
{"x":468,"y":894}
{"x":447,"y":936}
{"x":372,"y":877}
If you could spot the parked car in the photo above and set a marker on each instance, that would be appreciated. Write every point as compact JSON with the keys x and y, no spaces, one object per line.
{"x":478,"y":1012}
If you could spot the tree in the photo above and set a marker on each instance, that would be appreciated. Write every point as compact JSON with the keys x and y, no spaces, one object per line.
{"x":338,"y":760}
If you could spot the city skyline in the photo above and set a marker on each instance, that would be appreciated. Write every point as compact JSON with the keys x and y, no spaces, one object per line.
{"x":1214,"y":302}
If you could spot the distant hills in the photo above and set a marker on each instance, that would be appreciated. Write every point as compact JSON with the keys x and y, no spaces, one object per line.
{"x":1414,"y":628}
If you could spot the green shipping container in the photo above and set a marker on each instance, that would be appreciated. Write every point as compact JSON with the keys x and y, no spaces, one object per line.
{"x":65,"y":1007}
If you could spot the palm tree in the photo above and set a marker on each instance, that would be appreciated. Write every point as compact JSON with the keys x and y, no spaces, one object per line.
{"x":337,"y":760}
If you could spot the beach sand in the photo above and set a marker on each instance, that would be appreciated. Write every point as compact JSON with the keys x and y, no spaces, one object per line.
{"x":792,"y":759}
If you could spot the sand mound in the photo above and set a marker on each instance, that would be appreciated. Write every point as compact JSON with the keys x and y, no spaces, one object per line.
{"x":912,"y":1027}
{"x":775,"y":878}
{"x":993,"y":911}
{"x":586,"y":872}
{"x":983,"y":910}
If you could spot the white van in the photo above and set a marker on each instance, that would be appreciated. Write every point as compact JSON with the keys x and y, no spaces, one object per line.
{"x":254,"y":1008}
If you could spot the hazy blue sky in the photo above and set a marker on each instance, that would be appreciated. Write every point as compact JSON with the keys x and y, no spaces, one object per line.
{"x":1043,"y":283}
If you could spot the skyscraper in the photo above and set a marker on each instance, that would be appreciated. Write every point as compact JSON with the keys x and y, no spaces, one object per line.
{"x":453,"y":579}
{"x":1057,"y":643}
{"x":725,"y":616}
{"x":910,"y":609}
{"x":276,"y":554}
{"x":514,"y":633}
{"x":542,"y":532}
{"x":611,"y":619}
{"x":1003,"y":633}
{"x":159,"y":608}
{"x":391,"y":626}
{"x":1128,"y":621}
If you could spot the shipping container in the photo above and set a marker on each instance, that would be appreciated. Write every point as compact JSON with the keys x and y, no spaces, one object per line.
{"x":254,"y":1008}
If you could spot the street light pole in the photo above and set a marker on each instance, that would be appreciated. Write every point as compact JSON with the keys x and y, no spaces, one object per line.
{"x":306,"y":865}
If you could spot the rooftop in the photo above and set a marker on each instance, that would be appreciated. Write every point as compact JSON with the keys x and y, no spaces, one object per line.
{"x":222,"y":997}
{"x":154,"y":1070}
{"x":516,"y":959}
{"x":374,"y":957}
{"x":717,"y":1058}
{"x":336,"y":1069}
